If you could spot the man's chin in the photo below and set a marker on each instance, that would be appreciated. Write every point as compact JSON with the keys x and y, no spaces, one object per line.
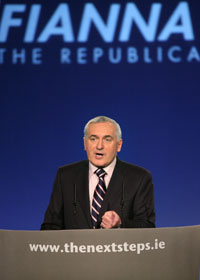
{"x":99,"y":163}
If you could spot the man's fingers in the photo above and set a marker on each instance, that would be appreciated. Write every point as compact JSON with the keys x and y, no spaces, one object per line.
{"x":110,"y":220}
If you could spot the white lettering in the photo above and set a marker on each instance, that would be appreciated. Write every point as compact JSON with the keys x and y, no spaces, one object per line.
{"x":140,"y":247}
{"x":21,"y":56}
{"x":156,"y":244}
{"x":193,"y":54}
{"x":107,"y":248}
{"x":132,"y":247}
{"x":147,"y":246}
{"x":65,"y":56}
{"x":171,"y":56}
{"x":162,"y":245}
{"x":73,"y":248}
{"x":8,"y":21}
{"x":148,"y":30}
{"x":132,"y":55}
{"x":159,"y":54}
{"x":62,"y":16}
{"x":81,"y":55}
{"x":181,"y":14}
{"x":32,"y":23}
{"x":2,"y":51}
{"x":147,"y":58}
{"x":60,"y":23}
{"x":99,"y":248}
{"x":118,"y":56}
{"x":82,"y":249}
{"x":97,"y":53}
{"x":90,"y":15}
{"x":36,"y":56}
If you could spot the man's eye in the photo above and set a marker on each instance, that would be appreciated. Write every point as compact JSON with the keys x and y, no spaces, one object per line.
{"x":108,"y":139}
{"x":92,"y":138}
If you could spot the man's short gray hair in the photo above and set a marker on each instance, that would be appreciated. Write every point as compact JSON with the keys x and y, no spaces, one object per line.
{"x":102,"y":119}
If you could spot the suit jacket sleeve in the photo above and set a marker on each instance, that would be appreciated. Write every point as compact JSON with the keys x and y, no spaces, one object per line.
{"x":139,"y":211}
{"x":53,"y":219}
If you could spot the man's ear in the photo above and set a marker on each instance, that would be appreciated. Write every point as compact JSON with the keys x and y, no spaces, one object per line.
{"x":84,"y":143}
{"x":119,"y":145}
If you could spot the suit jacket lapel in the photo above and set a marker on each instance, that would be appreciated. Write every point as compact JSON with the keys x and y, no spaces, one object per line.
{"x":82,"y":185}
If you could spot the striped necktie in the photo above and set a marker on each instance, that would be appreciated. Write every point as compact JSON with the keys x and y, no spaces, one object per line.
{"x":98,"y":197}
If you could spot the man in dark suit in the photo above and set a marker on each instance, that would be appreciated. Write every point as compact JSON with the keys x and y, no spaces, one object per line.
{"x":122,"y":197}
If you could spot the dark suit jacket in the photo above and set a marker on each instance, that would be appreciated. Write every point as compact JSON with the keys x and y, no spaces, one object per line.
{"x":129,"y":194}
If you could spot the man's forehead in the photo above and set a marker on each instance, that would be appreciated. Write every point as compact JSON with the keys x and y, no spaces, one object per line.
{"x":106,"y":128}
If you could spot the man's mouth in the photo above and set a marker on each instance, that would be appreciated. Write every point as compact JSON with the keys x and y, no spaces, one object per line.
{"x":99,"y":155}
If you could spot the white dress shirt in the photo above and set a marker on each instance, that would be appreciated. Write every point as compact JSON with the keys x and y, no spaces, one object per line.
{"x":94,"y":179}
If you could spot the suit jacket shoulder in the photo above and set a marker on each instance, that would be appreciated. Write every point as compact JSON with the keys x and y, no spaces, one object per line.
{"x":70,"y":172}
{"x":74,"y":167}
{"x":132,"y":170}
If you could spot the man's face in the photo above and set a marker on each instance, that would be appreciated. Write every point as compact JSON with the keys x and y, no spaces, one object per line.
{"x":101,"y":143}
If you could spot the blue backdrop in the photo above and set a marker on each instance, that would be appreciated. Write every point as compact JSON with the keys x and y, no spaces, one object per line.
{"x":66,"y":62}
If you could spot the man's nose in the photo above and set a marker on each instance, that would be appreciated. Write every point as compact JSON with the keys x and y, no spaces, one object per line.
{"x":100,"y":144}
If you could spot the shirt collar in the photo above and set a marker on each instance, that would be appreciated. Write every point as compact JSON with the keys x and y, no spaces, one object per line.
{"x":108,"y":169}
